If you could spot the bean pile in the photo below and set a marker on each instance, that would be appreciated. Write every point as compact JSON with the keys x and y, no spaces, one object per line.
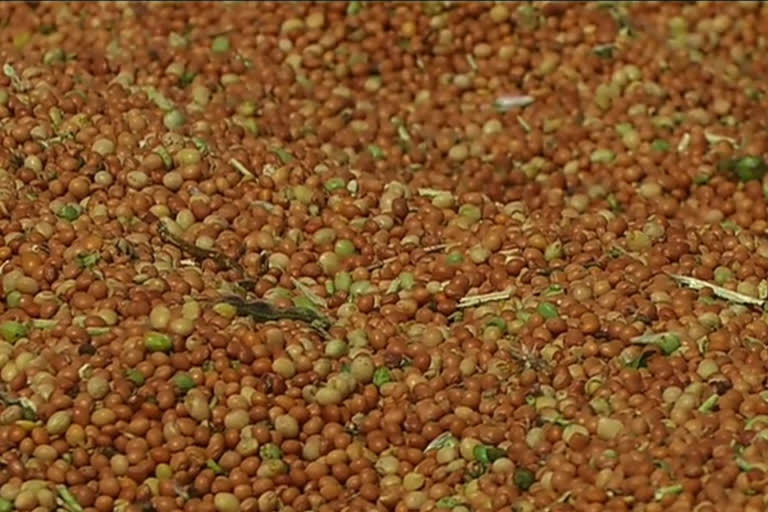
{"x":352,"y":256}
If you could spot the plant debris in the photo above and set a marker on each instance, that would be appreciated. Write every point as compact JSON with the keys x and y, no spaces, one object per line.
{"x":262,"y":311}
{"x":223,"y":261}
{"x":719,"y":291}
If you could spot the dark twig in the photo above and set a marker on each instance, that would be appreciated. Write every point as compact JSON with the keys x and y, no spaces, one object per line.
{"x":222,"y":260}
{"x":262,"y":311}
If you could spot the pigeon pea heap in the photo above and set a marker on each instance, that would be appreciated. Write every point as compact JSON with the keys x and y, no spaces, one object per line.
{"x":388,"y":257}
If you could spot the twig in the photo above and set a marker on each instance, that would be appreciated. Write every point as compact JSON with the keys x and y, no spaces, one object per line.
{"x":262,"y":311}
{"x":199,"y":253}
{"x":309,"y":294}
{"x":433,"y":192}
{"x":476,"y":300}
{"x":242,"y":169}
{"x":719,"y":291}
{"x":508,"y":102}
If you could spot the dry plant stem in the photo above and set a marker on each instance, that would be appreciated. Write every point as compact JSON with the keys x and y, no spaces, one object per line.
{"x":476,"y":300}
{"x":433,"y":192}
{"x":309,"y":294}
{"x":723,"y":293}
{"x":262,"y":311}
{"x":200,"y":254}
{"x":242,"y":169}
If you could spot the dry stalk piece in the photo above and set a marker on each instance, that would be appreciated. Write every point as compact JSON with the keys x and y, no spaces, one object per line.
{"x":476,"y":300}
{"x":262,"y":311}
{"x":723,"y":293}
{"x":223,"y":261}
{"x":433,"y":192}
{"x":309,"y":294}
{"x":242,"y":169}
{"x":714,"y":138}
{"x":508,"y":102}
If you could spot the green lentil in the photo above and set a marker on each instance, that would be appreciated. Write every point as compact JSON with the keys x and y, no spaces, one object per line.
{"x":336,"y":349}
{"x":602,"y":156}
{"x":324,"y":236}
{"x":303,"y":194}
{"x":173,"y":119}
{"x":406,"y":280}
{"x":344,"y":248}
{"x":135,"y":376}
{"x":455,"y":258}
{"x":13,"y":331}
{"x":553,"y":251}
{"x":69,"y":212}
{"x":523,"y":478}
{"x":471,"y":212}
{"x":360,"y":288}
{"x":188,"y":156}
{"x":660,"y":145}
{"x":247,"y":108}
{"x":270,"y":451}
{"x":335,"y":184}
{"x":381,"y":376}
{"x":722,"y":275}
{"x":375,"y":152}
{"x":13,"y":299}
{"x":547,"y":310}
{"x":330,"y":262}
{"x":220,"y":44}
{"x":157,"y":342}
{"x":183,"y":382}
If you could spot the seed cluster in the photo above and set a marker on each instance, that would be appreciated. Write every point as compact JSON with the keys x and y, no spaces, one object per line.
{"x":369,"y":256}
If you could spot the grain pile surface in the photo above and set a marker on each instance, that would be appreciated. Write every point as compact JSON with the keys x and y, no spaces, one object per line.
{"x":352,"y":257}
